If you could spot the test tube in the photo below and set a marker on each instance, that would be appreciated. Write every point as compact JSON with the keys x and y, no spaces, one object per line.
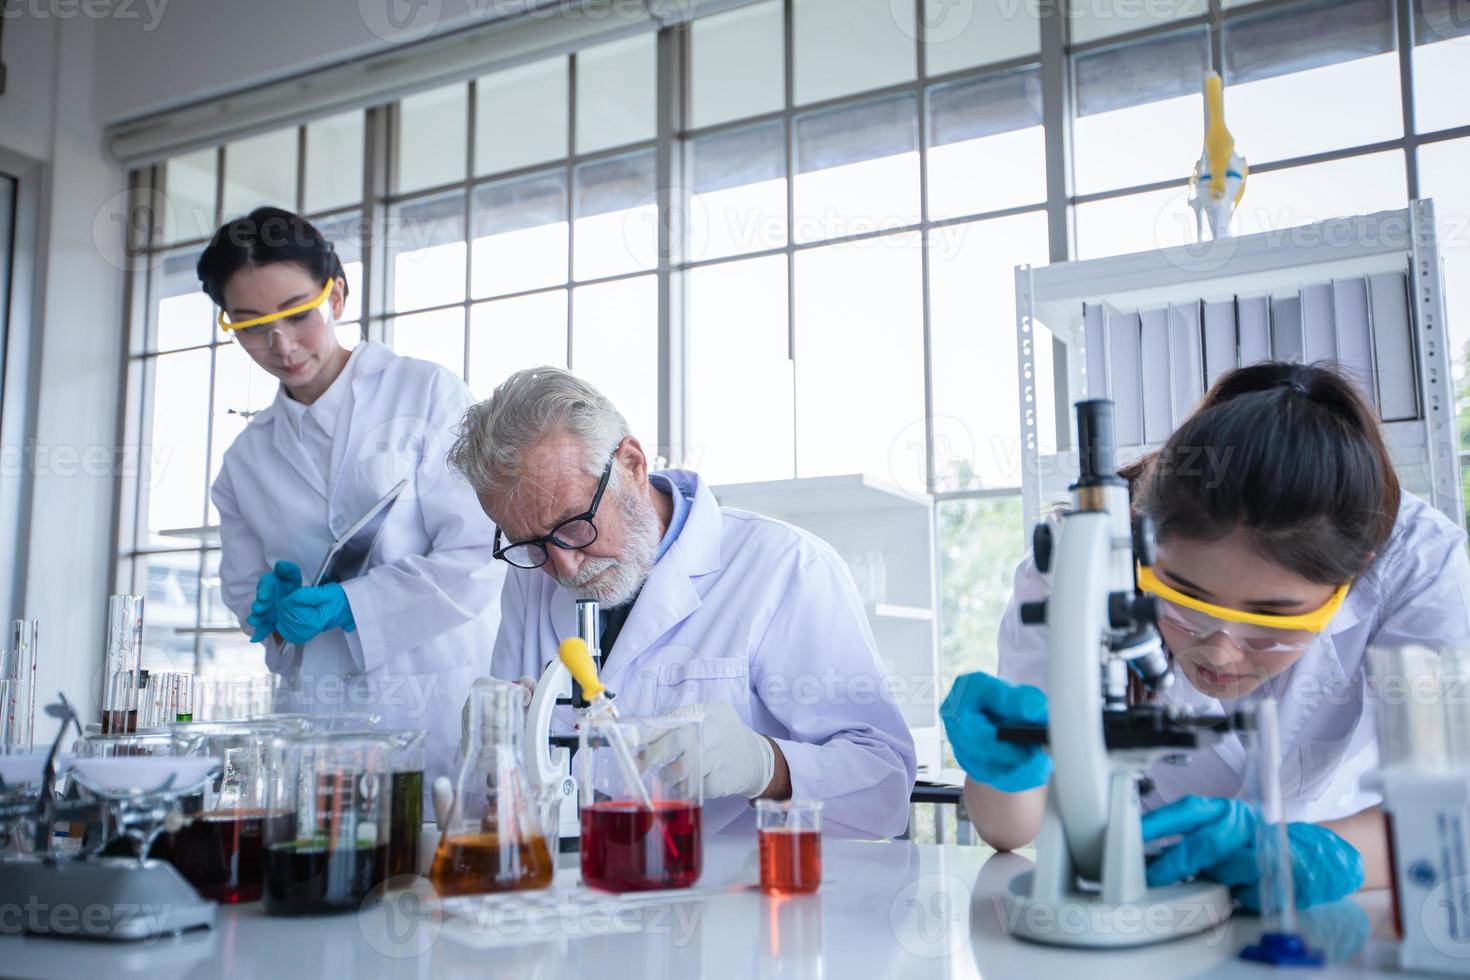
{"x":1281,"y":943}
{"x":20,"y":669}
{"x":1408,"y":692}
{"x":1278,"y":903}
{"x":124,"y":662}
{"x":182,"y":697}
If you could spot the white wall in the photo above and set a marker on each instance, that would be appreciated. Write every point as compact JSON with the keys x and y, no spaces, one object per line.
{"x":25,"y":108}
{"x":195,"y":49}
{"x":76,"y":330}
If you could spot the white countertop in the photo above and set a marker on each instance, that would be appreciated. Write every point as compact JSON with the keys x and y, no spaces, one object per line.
{"x":885,"y":910}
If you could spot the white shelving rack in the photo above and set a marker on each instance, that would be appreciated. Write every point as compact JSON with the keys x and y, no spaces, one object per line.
{"x":860,"y":516}
{"x":1151,"y":331}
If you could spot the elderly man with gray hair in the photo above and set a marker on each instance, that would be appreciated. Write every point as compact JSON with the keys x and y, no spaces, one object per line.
{"x":751,"y":623}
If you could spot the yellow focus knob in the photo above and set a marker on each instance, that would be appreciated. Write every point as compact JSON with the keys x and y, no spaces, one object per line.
{"x":578,"y":660}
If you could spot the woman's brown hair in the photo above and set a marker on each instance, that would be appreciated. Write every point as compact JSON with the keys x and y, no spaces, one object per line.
{"x":1290,"y":455}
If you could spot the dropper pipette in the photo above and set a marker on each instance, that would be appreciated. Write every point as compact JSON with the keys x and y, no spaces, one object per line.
{"x":578,"y":661}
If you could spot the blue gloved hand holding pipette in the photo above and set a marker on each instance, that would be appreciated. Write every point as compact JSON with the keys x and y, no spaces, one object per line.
{"x":274,"y":585}
{"x":1219,"y":843}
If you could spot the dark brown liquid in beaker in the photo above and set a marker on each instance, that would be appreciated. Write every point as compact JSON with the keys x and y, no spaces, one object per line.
{"x":222,"y":853}
{"x":471,"y":864}
{"x":407,"y":823}
{"x":305,"y":878}
{"x":120,"y":722}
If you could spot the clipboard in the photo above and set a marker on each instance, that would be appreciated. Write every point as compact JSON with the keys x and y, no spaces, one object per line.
{"x":348,"y":556}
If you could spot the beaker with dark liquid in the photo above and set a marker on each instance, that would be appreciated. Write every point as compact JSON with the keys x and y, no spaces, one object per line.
{"x":221,"y":850}
{"x":642,"y":803}
{"x":333,"y":849}
{"x":407,"y":803}
{"x":496,"y":838}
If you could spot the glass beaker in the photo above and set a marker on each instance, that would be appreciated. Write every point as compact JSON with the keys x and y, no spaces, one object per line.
{"x":1408,"y":691}
{"x":407,"y":804}
{"x":221,"y":850}
{"x":333,"y":849}
{"x":499,"y":828}
{"x":1455,"y":675}
{"x":790,"y":845}
{"x":642,"y":803}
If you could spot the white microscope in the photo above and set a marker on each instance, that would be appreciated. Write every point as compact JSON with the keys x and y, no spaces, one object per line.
{"x":549,"y":759}
{"x":1088,"y":888}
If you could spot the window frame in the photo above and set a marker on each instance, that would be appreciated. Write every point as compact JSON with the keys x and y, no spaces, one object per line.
{"x":673,"y":132}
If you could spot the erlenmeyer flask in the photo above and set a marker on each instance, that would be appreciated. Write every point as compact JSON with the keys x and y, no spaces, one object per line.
{"x":496,"y":837}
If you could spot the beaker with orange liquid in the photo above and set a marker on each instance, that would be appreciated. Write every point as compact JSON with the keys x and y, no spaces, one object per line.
{"x":790,"y":841}
{"x":499,"y":828}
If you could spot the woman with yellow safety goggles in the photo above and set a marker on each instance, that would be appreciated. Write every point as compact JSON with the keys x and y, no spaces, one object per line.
{"x":405,"y":633}
{"x":1286,"y":548}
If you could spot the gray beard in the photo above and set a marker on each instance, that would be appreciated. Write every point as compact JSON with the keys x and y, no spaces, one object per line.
{"x":624,"y":576}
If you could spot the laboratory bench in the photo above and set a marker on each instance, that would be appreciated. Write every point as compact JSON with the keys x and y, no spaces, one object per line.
{"x":894,"y":909}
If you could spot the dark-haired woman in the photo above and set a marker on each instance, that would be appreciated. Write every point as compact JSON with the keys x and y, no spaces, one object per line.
{"x":1286,"y":549}
{"x":409,"y":635}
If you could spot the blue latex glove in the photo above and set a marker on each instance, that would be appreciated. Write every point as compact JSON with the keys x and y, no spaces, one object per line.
{"x":273,"y":586}
{"x":1337,"y":930}
{"x":979,"y":703}
{"x":1219,"y":843}
{"x":306,"y":612}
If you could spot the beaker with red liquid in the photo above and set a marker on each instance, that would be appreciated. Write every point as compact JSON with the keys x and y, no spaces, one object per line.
{"x":221,"y":850}
{"x":642,"y":803}
{"x":790,"y":842}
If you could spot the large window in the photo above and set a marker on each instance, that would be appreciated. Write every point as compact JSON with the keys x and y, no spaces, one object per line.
{"x":841,"y":192}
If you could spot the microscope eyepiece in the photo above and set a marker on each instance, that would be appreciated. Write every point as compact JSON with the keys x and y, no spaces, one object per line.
{"x":1095,"y":443}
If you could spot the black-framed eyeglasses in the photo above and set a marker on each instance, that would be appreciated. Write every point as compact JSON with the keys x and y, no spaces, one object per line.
{"x":570,"y":535}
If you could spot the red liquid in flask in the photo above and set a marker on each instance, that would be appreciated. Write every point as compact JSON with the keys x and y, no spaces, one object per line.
{"x":791,"y":861}
{"x":627,"y":847}
{"x":222,"y":853}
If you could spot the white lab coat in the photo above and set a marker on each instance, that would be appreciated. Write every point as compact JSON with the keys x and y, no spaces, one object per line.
{"x":427,"y":607}
{"x":1417,"y":591}
{"x":754,"y":612}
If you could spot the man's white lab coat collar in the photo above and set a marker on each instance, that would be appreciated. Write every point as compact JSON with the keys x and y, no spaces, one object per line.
{"x":698,"y":544}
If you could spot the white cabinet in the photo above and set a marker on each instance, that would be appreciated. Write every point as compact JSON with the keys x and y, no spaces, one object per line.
{"x":886,"y":536}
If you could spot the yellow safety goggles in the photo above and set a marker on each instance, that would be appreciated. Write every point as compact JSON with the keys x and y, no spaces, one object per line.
{"x":257,"y":321}
{"x":1312,"y":622}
